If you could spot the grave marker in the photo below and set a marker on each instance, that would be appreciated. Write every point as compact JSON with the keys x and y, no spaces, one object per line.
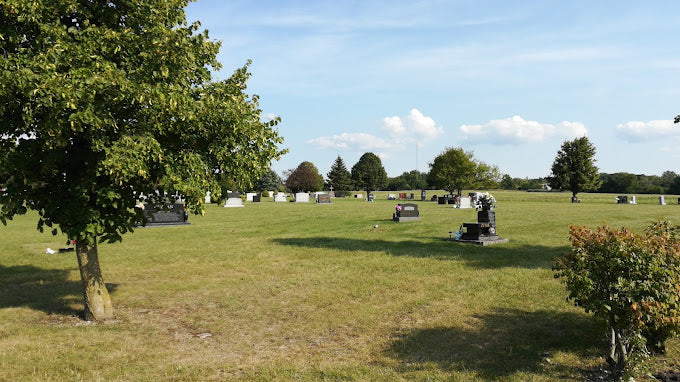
{"x":406,"y":212}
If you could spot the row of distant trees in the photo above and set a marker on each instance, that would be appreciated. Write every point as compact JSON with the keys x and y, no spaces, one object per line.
{"x":453,"y":170}
{"x":456,"y":169}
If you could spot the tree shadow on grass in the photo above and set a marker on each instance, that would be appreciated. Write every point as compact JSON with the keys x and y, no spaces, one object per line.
{"x":501,"y":343}
{"x":46,"y":290}
{"x":496,"y":256}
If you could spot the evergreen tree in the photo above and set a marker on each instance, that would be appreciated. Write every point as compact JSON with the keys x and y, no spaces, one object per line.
{"x":340,"y":178}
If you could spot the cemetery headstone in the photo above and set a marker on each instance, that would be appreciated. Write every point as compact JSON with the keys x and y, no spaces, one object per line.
{"x":371,"y":197}
{"x":464,"y":202}
{"x":323,"y":199}
{"x":433,"y":198}
{"x":207,"y":199}
{"x":302,"y":197}
{"x":402,"y":195}
{"x":280,"y":198}
{"x":622,"y":199}
{"x":632,"y":200}
{"x":441,"y":200}
{"x":406,"y":212}
{"x":391,"y":197}
{"x":484,"y":231}
{"x":233,"y":200}
{"x":271,"y":194}
{"x":422,"y":195}
{"x":257,"y":198}
{"x":359,"y":196}
{"x":413,"y":196}
{"x":249,"y":196}
{"x":162,"y":215}
{"x":662,"y":200}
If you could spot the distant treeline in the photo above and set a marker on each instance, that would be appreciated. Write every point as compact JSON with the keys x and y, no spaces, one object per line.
{"x":617,"y":183}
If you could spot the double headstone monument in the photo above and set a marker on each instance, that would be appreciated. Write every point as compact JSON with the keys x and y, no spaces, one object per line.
{"x":165,"y":214}
{"x":406,"y":212}
{"x":233,"y":200}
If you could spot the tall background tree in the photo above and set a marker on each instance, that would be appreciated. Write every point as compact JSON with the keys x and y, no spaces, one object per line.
{"x":456,"y":169}
{"x":103,"y":104}
{"x":340,"y":178}
{"x":368,"y":173}
{"x":269,"y":181}
{"x":408,"y":180}
{"x":574,"y":167}
{"x":304,"y":178}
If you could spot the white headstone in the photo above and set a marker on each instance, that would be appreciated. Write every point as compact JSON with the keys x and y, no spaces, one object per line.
{"x":302,"y":197}
{"x":662,"y":200}
{"x":249,"y":196}
{"x":271,"y":194}
{"x":359,"y":196}
{"x":632,"y":200}
{"x":208,"y":199}
{"x":280,"y":197}
{"x":391,"y":197}
{"x":465,"y":202}
{"x":234,"y":202}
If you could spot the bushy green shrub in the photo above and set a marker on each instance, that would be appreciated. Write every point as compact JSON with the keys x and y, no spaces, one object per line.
{"x":630,"y":281}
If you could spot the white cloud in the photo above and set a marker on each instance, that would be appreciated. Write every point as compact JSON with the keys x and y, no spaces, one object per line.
{"x":517,"y":130}
{"x":635,"y":131}
{"x":423,"y":127}
{"x":414,"y":128}
{"x":351,"y":142}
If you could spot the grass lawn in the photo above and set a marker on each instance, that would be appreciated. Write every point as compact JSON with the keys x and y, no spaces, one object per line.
{"x":290,"y":291}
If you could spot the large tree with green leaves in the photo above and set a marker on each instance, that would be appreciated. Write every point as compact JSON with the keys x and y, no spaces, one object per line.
{"x":305,"y":177}
{"x":456,"y":169}
{"x":340,"y":178}
{"x":368,"y":173}
{"x":106,"y":103}
{"x":574,"y":167}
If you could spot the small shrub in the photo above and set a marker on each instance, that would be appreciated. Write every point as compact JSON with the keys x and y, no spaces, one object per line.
{"x":630,"y":281}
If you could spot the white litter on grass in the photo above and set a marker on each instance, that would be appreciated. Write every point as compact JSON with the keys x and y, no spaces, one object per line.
{"x":50,"y":251}
{"x":204,"y":335}
{"x":375,"y":226}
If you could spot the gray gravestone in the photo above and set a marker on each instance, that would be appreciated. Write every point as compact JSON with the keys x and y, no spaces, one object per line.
{"x":406,"y":212}
{"x":323,"y":199}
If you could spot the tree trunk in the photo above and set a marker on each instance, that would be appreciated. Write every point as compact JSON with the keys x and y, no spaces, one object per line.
{"x":97,"y":300}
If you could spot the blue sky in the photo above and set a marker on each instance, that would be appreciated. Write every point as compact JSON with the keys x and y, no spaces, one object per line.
{"x":510,"y":80}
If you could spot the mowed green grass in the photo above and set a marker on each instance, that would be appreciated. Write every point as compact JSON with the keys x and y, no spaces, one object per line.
{"x":290,"y":291}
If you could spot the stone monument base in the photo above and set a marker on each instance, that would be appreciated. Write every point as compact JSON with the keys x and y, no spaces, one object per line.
{"x":405,"y":218}
{"x":483,"y":241}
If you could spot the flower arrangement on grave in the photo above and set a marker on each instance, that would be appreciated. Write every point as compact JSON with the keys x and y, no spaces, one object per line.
{"x":398,"y":208}
{"x":486,"y":202}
